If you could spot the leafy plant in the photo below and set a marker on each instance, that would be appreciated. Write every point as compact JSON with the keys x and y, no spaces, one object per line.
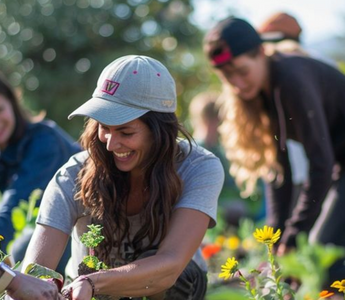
{"x":307,"y":266}
{"x":91,"y":263}
{"x":91,"y":240}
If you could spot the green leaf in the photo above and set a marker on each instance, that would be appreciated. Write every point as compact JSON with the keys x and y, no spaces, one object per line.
{"x":18,"y":219}
{"x":41,"y":272}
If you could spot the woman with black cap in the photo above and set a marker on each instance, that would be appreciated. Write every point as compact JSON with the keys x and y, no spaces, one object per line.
{"x":267,"y":100}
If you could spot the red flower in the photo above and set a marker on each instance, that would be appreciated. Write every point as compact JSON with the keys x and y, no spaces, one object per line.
{"x":209,"y":250}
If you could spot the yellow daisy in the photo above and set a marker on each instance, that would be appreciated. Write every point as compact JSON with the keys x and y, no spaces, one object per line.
{"x":340,"y":285}
{"x":232,"y":242}
{"x":267,"y":236}
{"x":229,"y":269}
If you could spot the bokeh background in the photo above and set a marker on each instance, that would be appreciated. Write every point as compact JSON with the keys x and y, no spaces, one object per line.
{"x":54,"y":50}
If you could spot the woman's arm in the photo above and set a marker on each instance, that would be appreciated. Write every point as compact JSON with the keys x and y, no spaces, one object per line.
{"x":151,"y":275}
{"x":46,"y":247}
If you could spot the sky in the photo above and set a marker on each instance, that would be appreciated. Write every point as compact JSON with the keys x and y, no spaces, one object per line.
{"x":319,"y":19}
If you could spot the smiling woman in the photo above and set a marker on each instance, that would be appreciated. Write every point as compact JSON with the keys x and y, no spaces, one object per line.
{"x":31,"y":151}
{"x":153,"y":193}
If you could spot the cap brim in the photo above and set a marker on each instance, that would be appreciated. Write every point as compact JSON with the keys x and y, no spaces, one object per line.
{"x":108,"y":112}
{"x":273,"y":36}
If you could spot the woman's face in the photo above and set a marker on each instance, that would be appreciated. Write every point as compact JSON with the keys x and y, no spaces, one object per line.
{"x":247,"y":75}
{"x":130,"y":144}
{"x":7,"y":121}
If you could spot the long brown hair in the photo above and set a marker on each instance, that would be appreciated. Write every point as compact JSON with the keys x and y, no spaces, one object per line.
{"x":104,"y":189}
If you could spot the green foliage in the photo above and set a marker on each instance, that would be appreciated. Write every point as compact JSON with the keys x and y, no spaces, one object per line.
{"x":41,"y":272}
{"x":93,"y":237}
{"x":308,"y":264}
{"x":224,"y":293}
{"x":91,"y":240}
{"x":54,"y":50}
{"x":26,"y":213}
{"x":94,"y":263}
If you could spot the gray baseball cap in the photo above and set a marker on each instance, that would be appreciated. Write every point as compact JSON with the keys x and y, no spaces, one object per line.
{"x":128,"y":88}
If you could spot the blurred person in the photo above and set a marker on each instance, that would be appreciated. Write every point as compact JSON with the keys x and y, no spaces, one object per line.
{"x":31,"y":151}
{"x":267,"y":100}
{"x":204,"y":119}
{"x":282,"y":32}
{"x":153,"y":192}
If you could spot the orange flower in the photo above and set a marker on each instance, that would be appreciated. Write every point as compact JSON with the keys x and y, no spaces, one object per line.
{"x":325,"y":294}
{"x":210,"y":250}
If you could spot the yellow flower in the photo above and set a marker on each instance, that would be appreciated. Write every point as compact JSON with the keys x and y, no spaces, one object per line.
{"x":340,"y":285}
{"x":91,"y":261}
{"x":249,"y":244}
{"x":229,"y":269}
{"x":220,"y":240}
{"x":233,"y":242}
{"x":267,"y":236}
{"x":1,"y":238}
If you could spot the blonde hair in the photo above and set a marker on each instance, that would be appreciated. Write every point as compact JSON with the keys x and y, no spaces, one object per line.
{"x":248,"y":141}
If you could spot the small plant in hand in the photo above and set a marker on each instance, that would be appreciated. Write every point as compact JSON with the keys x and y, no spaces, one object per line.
{"x":91,"y":263}
{"x":91,"y":240}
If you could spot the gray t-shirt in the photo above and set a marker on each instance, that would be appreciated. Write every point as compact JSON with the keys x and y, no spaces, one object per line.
{"x":202,"y":175}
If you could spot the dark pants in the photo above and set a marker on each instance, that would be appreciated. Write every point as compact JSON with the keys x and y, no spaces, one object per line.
{"x":191,"y":285}
{"x":330,"y":226}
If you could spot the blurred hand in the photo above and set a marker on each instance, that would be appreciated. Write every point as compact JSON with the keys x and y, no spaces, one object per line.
{"x":26,"y":287}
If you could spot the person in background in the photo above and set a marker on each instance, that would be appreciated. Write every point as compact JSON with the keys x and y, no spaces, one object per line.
{"x":282,"y":32}
{"x":30,"y":154}
{"x":267,"y":100}
{"x":205,"y":121}
{"x":142,"y":179}
{"x":204,"y":118}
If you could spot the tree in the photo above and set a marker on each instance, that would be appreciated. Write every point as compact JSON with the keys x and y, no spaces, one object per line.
{"x":54,"y":50}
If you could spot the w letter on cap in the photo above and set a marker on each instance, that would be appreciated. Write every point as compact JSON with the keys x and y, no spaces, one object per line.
{"x":110,"y":87}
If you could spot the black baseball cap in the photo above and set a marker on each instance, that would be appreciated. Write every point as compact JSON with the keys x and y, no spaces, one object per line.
{"x":230,"y":38}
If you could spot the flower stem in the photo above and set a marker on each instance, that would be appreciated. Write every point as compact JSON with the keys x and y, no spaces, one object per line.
{"x":274,"y":272}
{"x":251,"y":291}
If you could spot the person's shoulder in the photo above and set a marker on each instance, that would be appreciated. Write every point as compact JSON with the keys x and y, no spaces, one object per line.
{"x":48,"y":127}
{"x":195,"y":154}
{"x":48,"y":133}
{"x":299,"y":66}
{"x":199,"y":163}
{"x":74,"y":164}
{"x":194,"y":150}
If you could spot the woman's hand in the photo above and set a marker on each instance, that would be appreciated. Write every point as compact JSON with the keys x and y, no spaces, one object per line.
{"x":78,"y":290}
{"x":26,"y":287}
